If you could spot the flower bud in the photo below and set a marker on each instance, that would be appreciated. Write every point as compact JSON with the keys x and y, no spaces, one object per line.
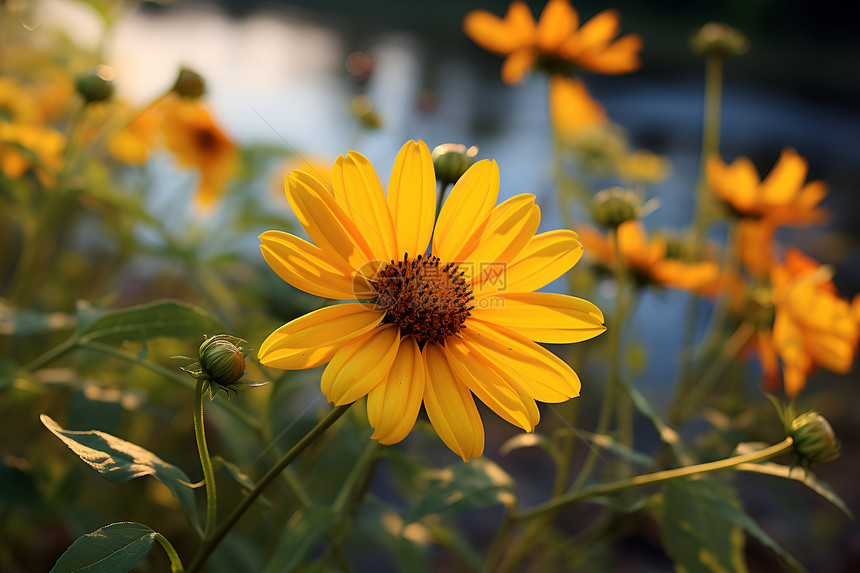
{"x":96,"y":85}
{"x":719,"y":40}
{"x":221,"y":360}
{"x":451,"y":160}
{"x":189,"y":84}
{"x":616,"y":205}
{"x":814,"y":439}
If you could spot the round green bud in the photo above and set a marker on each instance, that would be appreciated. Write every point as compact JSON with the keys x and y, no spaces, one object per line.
{"x":221,"y":360}
{"x":814,"y":439}
{"x":189,"y":84}
{"x":614,"y":206}
{"x":719,"y":40}
{"x":96,"y":85}
{"x":451,"y":160}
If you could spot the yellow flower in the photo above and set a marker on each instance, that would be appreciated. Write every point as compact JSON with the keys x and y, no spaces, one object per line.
{"x":572,"y":109}
{"x":16,"y":105}
{"x":812,"y":326}
{"x":437,"y":321}
{"x":25,"y":146}
{"x":644,"y":166}
{"x":555,"y":42}
{"x":132,"y":143}
{"x":647,"y":260}
{"x":197,"y":142}
{"x":781,"y":197}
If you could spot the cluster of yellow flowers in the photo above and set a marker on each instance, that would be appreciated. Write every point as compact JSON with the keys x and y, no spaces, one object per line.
{"x":810,"y":325}
{"x":31,"y":109}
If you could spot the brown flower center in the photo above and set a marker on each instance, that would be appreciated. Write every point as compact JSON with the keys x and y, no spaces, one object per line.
{"x":423,"y":298}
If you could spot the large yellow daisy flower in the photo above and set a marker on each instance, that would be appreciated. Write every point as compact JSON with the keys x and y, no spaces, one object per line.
{"x":443,"y":314}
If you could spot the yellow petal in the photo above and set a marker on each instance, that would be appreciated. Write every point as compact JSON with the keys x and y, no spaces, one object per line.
{"x":545,"y":258}
{"x":497,"y":35}
{"x":464,"y":215}
{"x":511,"y":403}
{"x":593,"y":36}
{"x":542,"y":317}
{"x":786,"y":178}
{"x":450,"y":406}
{"x":324,"y":221}
{"x":306,"y":266}
{"x":572,"y":108}
{"x":358,"y":191}
{"x":360,"y":365}
{"x":510,"y":227}
{"x":312,"y":339}
{"x":620,"y":57}
{"x":557,"y":22}
{"x":412,"y":198}
{"x":517,"y":65}
{"x":542,"y":374}
{"x":392,"y":407}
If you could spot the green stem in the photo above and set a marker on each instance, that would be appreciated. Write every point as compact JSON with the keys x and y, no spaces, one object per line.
{"x":205,"y":460}
{"x":612,"y":378}
{"x":175,"y":561}
{"x":714,"y":373}
{"x":61,"y":349}
{"x":656,"y":477}
{"x":710,"y":146}
{"x":210,"y":544}
{"x":440,"y":198}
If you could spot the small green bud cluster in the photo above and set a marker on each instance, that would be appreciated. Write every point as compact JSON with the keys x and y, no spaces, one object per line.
{"x":96,"y":85}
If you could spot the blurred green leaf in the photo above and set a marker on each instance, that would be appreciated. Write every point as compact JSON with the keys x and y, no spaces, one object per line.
{"x":300,"y":536}
{"x":25,"y":322}
{"x":698,"y":535}
{"x":668,"y":434}
{"x":119,"y":461}
{"x":802,"y":475}
{"x":239,"y":477}
{"x":160,"y":318}
{"x":459,"y":487}
{"x":115,"y":548}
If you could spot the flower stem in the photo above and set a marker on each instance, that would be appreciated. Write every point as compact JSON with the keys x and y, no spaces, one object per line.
{"x":612,"y":378}
{"x":710,"y":146}
{"x":656,"y":477}
{"x":210,"y":544}
{"x":205,"y":460}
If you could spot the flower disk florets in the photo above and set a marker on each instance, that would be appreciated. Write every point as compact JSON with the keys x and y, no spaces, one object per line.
{"x":424,"y":298}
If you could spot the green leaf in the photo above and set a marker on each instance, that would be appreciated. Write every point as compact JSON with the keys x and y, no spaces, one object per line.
{"x":115,"y":548}
{"x":802,"y":475}
{"x":302,"y":534}
{"x":739,"y":517}
{"x":666,"y":432}
{"x":459,"y":487}
{"x":698,"y":536}
{"x":119,"y":461}
{"x":161,"y":318}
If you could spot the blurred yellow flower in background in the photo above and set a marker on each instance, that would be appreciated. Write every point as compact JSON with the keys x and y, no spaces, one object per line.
{"x":647,"y":260}
{"x":26,"y":146}
{"x":572,"y":109}
{"x":196,"y":141}
{"x":432,"y":328}
{"x":133,"y":143}
{"x":781,"y":197}
{"x":555,"y":42}
{"x":812,"y":326}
